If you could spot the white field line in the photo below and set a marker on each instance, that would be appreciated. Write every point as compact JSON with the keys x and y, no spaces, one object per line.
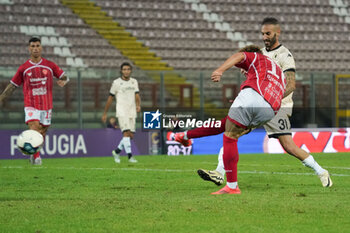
{"x":280,"y":165}
{"x":257,"y":165}
{"x":345,"y":168}
{"x":163,"y":170}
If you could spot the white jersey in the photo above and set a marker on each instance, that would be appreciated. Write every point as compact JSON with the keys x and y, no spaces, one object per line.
{"x":124,"y":92}
{"x":284,"y":58}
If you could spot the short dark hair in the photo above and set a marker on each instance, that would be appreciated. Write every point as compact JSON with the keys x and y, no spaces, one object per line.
{"x":34,"y":39}
{"x":270,"y":20}
{"x":251,"y":49}
{"x":125,"y":64}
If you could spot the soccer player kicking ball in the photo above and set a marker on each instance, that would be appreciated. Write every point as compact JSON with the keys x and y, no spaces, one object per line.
{"x":257,"y":103}
{"x":36,"y":75}
{"x":279,"y":127}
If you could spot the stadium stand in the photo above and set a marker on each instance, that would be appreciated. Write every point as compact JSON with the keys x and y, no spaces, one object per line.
{"x":63,"y":34}
{"x":186,"y":34}
{"x":173,"y":28}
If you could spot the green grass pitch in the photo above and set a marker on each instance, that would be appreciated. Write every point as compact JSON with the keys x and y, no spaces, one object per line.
{"x":165,"y":194}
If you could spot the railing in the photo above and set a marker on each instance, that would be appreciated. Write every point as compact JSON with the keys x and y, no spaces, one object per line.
{"x":314,"y":98}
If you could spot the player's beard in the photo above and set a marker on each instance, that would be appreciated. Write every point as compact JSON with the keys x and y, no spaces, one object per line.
{"x":270,"y":42}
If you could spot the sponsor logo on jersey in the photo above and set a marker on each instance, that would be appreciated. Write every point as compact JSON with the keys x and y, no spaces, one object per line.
{"x":38,"y":79}
{"x":39,"y":91}
{"x":45,"y":71}
{"x":129,"y":89}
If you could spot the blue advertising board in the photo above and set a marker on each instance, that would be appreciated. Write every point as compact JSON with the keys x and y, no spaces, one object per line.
{"x":250,"y":143}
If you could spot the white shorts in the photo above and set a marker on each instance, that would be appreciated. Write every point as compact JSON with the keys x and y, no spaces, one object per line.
{"x":43,"y":116}
{"x":250,"y":109}
{"x":127,"y":123}
{"x":279,"y":125}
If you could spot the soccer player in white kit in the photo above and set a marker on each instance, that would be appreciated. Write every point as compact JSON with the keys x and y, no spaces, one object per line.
{"x":126,"y":92}
{"x":36,"y":75}
{"x":279,"y":127}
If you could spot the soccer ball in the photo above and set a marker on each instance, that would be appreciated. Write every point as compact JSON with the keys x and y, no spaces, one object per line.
{"x":29,"y":141}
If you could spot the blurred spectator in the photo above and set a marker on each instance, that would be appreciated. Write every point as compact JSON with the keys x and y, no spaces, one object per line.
{"x":112,"y":123}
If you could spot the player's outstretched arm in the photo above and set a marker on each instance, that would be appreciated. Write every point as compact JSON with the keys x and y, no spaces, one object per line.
{"x":63,"y":81}
{"x":108,"y":104}
{"x":290,"y":80}
{"x":7,"y":92}
{"x":230,"y":62}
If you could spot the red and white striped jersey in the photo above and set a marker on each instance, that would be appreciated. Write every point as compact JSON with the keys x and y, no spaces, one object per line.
{"x":37,"y":80}
{"x":265,"y":77}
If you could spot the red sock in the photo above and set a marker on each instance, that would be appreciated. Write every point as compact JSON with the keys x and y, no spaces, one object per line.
{"x":36,"y":155}
{"x":231,"y":158}
{"x":206,"y":131}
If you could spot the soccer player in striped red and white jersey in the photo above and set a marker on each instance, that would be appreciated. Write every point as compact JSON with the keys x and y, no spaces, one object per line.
{"x":279,"y":127}
{"x":257,"y":103}
{"x":37,"y":77}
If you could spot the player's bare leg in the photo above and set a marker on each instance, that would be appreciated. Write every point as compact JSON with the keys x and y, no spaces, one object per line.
{"x":35,"y":125}
{"x":308,"y":160}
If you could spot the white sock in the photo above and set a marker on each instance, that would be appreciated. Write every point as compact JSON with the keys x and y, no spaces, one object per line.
{"x":172,"y":136}
{"x":127,"y":144}
{"x":232,"y":185}
{"x":311,"y":163}
{"x":121,"y":144}
{"x":220,"y":168}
